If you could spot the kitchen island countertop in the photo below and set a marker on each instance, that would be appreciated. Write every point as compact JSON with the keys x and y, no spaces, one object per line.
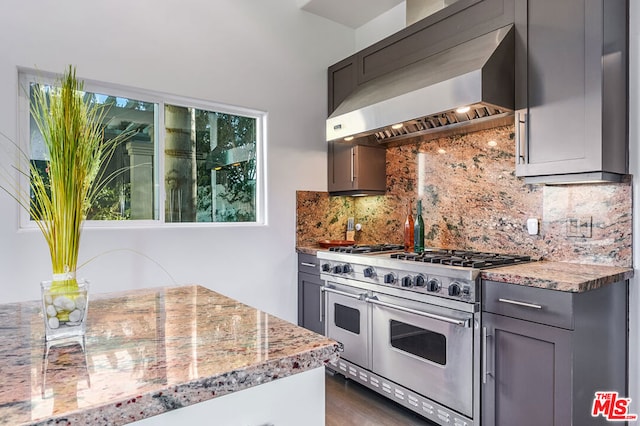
{"x":147,"y":352}
{"x":562,"y":276}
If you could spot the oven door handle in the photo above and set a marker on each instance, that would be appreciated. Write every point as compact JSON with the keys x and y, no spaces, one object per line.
{"x":360,"y":296}
{"x":455,"y":321}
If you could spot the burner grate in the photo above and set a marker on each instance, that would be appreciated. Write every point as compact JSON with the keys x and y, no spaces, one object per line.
{"x":362,"y":249}
{"x":462,"y":258}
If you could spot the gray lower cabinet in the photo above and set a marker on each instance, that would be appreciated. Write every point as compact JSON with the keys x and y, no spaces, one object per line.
{"x":528,"y":375}
{"x":309,"y":294}
{"x":546,"y":353}
{"x":571,"y":89}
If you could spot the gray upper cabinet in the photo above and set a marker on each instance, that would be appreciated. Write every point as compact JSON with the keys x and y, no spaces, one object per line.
{"x":571,"y":90}
{"x":342,"y":81}
{"x":356,"y":169}
{"x":461,"y":21}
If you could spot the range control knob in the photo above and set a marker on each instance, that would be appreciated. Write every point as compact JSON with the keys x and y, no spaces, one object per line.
{"x":406,"y":281}
{"x":433,"y":284}
{"x":346,"y":268}
{"x":326,"y":267}
{"x":369,"y":272}
{"x":420,"y":282}
{"x":454,"y":289}
{"x":389,"y":278}
{"x":337,"y":269}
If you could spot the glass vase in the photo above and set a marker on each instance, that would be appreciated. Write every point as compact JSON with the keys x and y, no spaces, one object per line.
{"x":64,"y":311}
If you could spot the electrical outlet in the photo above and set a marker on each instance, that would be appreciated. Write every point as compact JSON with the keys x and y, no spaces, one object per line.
{"x":585,"y":226}
{"x":579,"y":227}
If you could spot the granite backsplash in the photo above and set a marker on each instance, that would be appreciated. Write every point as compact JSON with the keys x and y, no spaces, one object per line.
{"x":473,"y":200}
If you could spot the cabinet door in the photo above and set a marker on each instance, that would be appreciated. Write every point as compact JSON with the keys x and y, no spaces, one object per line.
{"x":342,"y":81}
{"x":310,"y":302}
{"x":341,"y":166}
{"x":565,"y":87}
{"x":356,"y":168}
{"x":526,"y":373}
{"x":370,"y":168}
{"x":556,"y":119}
{"x":458,"y":21}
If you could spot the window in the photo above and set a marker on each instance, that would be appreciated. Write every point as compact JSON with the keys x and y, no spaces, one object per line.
{"x":186,"y":161}
{"x":210,"y":166}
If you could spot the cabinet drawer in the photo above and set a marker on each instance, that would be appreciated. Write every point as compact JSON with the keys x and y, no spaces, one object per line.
{"x":539,"y":305}
{"x":308,"y":263}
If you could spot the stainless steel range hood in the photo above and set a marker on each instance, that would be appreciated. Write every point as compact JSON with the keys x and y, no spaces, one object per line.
{"x":425,"y":95}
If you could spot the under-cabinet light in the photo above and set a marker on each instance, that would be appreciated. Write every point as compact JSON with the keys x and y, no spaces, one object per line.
{"x":463,"y":109}
{"x":348,"y":138}
{"x":397,"y":126}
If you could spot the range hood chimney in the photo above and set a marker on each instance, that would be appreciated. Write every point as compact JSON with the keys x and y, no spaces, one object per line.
{"x":417,"y":10}
{"x":426,"y":98}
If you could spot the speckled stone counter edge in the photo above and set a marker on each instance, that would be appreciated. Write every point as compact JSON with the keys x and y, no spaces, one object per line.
{"x":174,"y":397}
{"x":561,"y":276}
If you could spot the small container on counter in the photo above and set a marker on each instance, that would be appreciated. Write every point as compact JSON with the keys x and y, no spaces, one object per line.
{"x":418,"y":234}
{"x":408,"y":231}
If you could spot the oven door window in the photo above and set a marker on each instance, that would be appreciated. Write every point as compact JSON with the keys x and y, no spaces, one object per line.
{"x":417,"y":341}
{"x":347,"y":318}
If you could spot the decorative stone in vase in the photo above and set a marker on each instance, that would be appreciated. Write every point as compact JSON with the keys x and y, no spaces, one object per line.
{"x":64,"y":310}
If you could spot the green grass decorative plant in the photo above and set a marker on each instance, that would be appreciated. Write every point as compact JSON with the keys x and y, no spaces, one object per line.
{"x":72,"y":126}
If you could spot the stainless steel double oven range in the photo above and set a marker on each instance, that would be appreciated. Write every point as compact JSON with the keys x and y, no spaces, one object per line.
{"x":409,"y":324}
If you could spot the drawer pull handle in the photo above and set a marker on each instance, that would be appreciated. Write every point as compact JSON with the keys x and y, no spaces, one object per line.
{"x":517,"y":302}
{"x":311,"y":265}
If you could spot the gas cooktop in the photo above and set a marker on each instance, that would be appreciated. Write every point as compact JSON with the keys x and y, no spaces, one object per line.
{"x":453,"y":257}
{"x":447,"y":273}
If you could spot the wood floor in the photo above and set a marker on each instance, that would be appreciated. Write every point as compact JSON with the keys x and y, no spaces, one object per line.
{"x":350,"y":404}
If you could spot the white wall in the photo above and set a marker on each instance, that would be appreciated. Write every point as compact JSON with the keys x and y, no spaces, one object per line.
{"x":634,"y":165}
{"x":383,"y":26}
{"x":269,"y":56}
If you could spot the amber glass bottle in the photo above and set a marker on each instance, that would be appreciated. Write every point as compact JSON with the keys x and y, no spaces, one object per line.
{"x":418,"y":235}
{"x":408,"y":232}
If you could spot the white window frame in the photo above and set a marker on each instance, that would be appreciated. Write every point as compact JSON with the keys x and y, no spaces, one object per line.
{"x":26,"y":76}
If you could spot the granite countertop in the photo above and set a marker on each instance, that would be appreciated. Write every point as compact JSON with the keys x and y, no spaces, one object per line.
{"x":312,"y":250}
{"x":146,"y":352}
{"x":563,"y":276}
